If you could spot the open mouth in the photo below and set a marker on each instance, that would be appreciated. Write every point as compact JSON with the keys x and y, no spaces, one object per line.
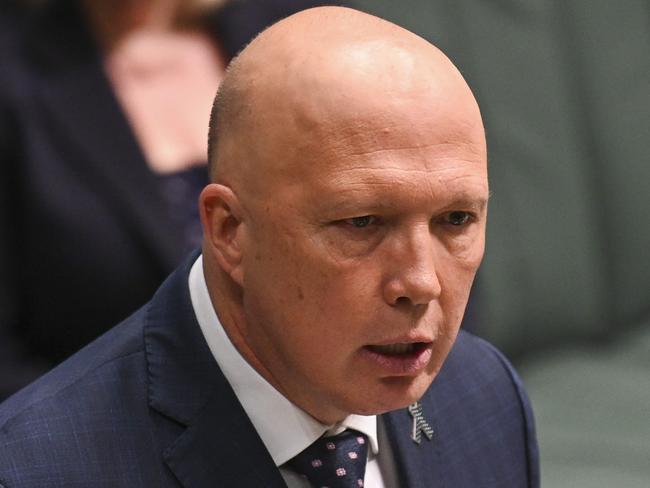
{"x":400,"y":358}
{"x":399,"y":349}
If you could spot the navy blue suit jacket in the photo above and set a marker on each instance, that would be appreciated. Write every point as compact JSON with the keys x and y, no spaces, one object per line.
{"x":146,"y":405}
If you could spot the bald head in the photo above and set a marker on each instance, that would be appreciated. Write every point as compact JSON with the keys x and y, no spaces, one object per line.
{"x":319,"y":72}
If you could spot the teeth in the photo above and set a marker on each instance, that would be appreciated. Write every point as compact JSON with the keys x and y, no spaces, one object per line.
{"x":395,"y":349}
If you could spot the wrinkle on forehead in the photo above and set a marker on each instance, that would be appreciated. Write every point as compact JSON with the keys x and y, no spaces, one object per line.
{"x":442,"y":148}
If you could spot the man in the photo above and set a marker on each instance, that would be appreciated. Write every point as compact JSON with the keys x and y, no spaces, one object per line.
{"x":342,"y":232}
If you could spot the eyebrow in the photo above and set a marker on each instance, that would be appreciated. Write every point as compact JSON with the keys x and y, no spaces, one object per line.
{"x":476,"y":204}
{"x":370,"y":204}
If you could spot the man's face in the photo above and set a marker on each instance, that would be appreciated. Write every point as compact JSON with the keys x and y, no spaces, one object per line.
{"x":359,"y":259}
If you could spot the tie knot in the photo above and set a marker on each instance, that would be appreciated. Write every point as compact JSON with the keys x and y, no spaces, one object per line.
{"x":334,"y":462}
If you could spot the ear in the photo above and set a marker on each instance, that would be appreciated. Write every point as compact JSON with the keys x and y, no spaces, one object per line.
{"x":221,"y":217}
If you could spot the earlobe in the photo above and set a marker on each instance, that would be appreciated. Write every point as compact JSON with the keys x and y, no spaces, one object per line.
{"x":221,"y":217}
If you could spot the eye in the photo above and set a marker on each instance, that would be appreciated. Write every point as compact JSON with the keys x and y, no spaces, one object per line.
{"x":458,"y":218}
{"x":361,"y":222}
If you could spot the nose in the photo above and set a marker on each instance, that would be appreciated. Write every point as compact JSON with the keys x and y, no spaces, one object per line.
{"x":413,"y":278}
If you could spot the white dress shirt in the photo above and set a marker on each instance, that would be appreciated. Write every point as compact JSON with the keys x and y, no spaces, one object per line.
{"x":285,"y":429}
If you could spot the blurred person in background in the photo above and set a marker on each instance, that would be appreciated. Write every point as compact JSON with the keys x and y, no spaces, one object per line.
{"x":103,"y":109}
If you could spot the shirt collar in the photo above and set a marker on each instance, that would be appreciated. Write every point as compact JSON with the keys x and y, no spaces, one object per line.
{"x":285,"y":429}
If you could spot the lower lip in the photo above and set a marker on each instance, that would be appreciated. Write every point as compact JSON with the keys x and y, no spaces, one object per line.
{"x":401,"y":364}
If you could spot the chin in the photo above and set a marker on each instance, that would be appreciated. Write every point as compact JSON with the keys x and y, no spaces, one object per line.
{"x":394,"y":393}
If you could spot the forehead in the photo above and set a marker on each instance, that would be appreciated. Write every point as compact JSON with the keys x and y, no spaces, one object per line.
{"x":432,"y":116}
{"x":374,"y":123}
{"x":406,"y":179}
{"x":387,"y":149}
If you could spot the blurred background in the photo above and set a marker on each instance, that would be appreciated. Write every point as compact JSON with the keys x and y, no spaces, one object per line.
{"x":104,"y":108}
{"x":564,"y":88}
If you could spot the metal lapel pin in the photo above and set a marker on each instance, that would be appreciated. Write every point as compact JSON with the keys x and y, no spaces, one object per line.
{"x":420,"y":424}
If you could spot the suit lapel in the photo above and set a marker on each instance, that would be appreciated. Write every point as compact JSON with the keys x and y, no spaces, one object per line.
{"x":218,"y":445}
{"x":417,"y":464}
{"x":79,"y":104}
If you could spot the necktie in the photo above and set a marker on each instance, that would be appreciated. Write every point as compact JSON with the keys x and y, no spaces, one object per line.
{"x":334,"y":462}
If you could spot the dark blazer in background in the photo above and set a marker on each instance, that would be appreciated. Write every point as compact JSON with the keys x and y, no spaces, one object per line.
{"x":146,"y":405}
{"x":85,"y":237}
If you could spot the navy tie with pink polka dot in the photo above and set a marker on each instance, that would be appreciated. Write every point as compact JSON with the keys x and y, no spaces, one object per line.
{"x":334,"y":462}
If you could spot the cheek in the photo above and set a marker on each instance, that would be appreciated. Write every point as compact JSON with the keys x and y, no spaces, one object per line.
{"x":320,"y":277}
{"x":460,"y":257}
{"x":456,"y":273}
{"x":456,"y":280}
{"x":290,"y":278}
{"x":466,"y":249}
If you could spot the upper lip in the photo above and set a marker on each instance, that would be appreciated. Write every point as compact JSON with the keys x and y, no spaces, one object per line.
{"x":405,"y":339}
